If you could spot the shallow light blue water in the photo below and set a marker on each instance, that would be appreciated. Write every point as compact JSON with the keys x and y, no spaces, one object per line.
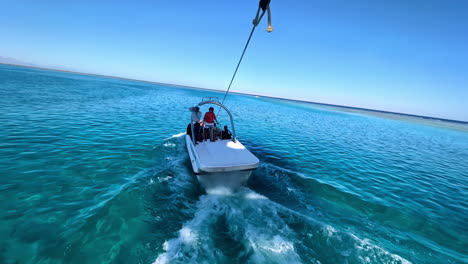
{"x":94,"y":170}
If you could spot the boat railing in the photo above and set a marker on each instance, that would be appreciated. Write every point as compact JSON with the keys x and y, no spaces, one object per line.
{"x":215,"y":101}
{"x":209,"y":99}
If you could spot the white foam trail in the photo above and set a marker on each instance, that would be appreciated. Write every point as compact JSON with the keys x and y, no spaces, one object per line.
{"x":346,"y":245}
{"x":176,"y":136}
{"x":223,"y":191}
{"x":369,"y":253}
{"x":254,"y":224}
{"x":169,"y":144}
{"x":193,"y":244}
{"x":250,"y":218}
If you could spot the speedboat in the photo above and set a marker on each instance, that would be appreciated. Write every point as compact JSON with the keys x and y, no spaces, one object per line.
{"x":223,"y":162}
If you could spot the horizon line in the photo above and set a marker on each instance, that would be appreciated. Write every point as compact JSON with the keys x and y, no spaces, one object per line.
{"x":241,"y":93}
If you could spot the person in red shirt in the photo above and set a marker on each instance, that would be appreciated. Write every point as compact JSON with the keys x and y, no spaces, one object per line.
{"x":209,"y":120}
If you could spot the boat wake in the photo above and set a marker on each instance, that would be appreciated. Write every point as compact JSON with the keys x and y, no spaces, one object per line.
{"x":175,"y":136}
{"x":247,"y":227}
{"x":246,"y":219}
{"x":258,"y":230}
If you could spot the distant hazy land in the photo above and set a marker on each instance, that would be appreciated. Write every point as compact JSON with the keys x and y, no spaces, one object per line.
{"x":457,"y":124}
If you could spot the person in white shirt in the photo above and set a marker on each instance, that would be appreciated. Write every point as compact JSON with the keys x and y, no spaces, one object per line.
{"x":196,"y":121}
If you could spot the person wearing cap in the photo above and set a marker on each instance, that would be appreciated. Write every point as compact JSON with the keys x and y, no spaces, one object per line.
{"x":196,"y":121}
{"x":196,"y":114}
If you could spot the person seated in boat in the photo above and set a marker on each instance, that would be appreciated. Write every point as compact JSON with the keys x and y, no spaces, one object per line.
{"x":189,"y":130}
{"x":209,"y":120}
{"x":216,"y":132}
{"x":226,"y":134}
{"x":196,"y":121}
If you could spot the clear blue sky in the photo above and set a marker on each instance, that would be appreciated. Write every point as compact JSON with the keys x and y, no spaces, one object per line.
{"x":403,"y":56}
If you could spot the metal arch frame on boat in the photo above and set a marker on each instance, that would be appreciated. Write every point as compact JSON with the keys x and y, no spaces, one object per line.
{"x":215,"y":101}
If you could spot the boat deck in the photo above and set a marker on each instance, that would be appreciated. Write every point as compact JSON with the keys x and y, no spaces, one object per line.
{"x":224,"y":155}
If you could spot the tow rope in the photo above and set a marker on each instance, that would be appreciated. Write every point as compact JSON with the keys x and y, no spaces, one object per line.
{"x":265,"y":6}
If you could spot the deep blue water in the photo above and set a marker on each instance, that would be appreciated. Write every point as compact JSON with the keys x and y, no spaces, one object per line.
{"x":95,"y":170}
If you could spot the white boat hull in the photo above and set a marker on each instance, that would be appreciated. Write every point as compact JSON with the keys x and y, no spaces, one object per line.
{"x":223,"y":163}
{"x":232,"y":180}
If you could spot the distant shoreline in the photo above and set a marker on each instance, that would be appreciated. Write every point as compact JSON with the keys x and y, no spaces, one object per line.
{"x":264,"y":96}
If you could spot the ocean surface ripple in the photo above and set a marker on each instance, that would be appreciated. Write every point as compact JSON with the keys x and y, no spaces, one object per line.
{"x":95,"y":170}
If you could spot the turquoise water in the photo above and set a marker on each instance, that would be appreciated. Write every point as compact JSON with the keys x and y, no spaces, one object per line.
{"x":95,"y":170}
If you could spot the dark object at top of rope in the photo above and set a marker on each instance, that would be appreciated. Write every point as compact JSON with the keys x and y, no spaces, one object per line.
{"x":265,"y":6}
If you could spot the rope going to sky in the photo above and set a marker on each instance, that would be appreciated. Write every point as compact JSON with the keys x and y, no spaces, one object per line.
{"x":264,"y":5}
